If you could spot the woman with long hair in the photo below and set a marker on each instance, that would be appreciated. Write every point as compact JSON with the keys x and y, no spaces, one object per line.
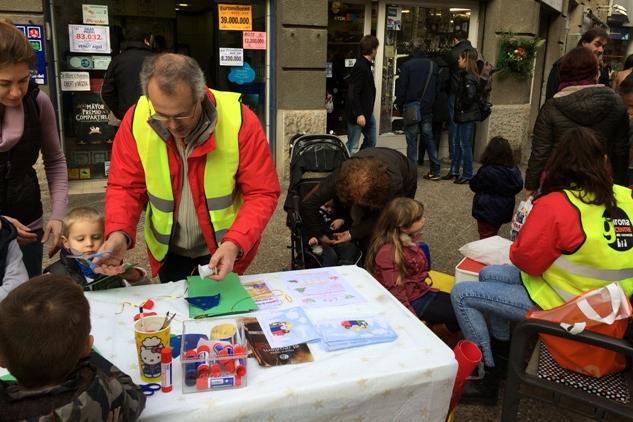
{"x":466,"y":113}
{"x":580,"y":102}
{"x":578,"y":232}
{"x":622,"y":74}
{"x":28,"y":127}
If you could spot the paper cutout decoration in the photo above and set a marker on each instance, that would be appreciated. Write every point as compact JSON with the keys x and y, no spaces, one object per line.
{"x":204,"y":302}
{"x":234,"y":299}
{"x":241,"y":75}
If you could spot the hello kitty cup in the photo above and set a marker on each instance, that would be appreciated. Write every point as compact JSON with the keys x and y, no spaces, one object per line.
{"x":150,"y":341}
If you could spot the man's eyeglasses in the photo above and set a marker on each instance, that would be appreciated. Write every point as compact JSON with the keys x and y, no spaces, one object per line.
{"x":159,"y":117}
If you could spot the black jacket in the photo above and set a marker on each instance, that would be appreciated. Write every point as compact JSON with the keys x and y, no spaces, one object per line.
{"x":121,"y":85}
{"x":440,"y":106}
{"x":410,"y":84}
{"x":553,"y":80}
{"x":361,"y":91}
{"x":8,"y":233}
{"x":467,"y":98}
{"x":594,"y":107}
{"x":19,"y":187}
{"x":495,"y":188}
{"x":451,"y":59}
{"x":403,"y":175}
{"x":69,"y":267}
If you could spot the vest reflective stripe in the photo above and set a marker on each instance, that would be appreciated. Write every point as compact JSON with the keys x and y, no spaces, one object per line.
{"x":595,"y":263}
{"x":222,"y":199}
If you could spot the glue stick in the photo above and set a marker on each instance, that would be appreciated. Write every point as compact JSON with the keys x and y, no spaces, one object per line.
{"x":165,"y":370}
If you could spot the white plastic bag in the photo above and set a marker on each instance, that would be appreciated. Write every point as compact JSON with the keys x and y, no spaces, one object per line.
{"x":493,"y":250}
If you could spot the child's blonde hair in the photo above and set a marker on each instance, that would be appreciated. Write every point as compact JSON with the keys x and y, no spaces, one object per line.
{"x":400,"y":213}
{"x":80,"y":214}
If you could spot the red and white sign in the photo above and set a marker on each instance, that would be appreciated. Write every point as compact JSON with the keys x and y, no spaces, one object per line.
{"x":254,"y":40}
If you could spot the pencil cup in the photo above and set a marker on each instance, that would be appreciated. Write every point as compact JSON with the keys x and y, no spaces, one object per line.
{"x":150,"y":340}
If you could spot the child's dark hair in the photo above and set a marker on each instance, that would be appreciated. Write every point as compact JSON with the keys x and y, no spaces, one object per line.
{"x":44,"y":327}
{"x":498,"y":153}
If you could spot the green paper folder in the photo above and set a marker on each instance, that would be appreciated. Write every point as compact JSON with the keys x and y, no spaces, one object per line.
{"x":234,"y":299}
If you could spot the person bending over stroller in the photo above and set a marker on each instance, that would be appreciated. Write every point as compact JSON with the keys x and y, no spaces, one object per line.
{"x":327,"y":255}
{"x":360,"y":188}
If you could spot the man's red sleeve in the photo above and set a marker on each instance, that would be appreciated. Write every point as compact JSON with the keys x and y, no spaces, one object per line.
{"x":552,"y":227}
{"x":126,"y":194}
{"x":257,"y":180}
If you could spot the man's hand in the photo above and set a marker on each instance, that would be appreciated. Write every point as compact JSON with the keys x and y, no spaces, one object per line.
{"x":54,"y":230}
{"x":114,"y":248}
{"x":25,"y":235}
{"x":342,"y":237}
{"x":360,"y":121}
{"x":223,"y":260}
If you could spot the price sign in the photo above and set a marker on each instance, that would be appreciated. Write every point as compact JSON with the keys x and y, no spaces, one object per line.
{"x":235,"y":17}
{"x":231,"y":56}
{"x":254,"y":40}
{"x":75,"y":81}
{"x":89,"y":39}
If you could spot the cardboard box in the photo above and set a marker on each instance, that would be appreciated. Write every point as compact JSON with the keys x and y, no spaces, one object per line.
{"x":468,"y":270}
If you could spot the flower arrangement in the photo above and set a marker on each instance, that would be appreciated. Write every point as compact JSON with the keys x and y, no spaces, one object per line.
{"x":516,"y":55}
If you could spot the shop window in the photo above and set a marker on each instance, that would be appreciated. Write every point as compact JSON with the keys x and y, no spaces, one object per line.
{"x":437,"y":26}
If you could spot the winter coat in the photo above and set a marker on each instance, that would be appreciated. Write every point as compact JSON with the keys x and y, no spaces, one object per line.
{"x":452,"y":58}
{"x":70,"y":267}
{"x":467,"y":99}
{"x":361,"y":91}
{"x":12,"y":269}
{"x":495,"y":187}
{"x":93,"y":390}
{"x":121,"y":83}
{"x":553,"y":80}
{"x":440,"y":106}
{"x":256,"y":178}
{"x":412,"y":80}
{"x":594,"y":106}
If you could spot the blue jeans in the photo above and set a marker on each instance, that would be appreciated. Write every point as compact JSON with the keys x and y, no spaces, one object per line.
{"x":453,"y":149}
{"x":500,"y":293}
{"x":464,"y":150}
{"x":425,"y":129}
{"x":368,"y":131}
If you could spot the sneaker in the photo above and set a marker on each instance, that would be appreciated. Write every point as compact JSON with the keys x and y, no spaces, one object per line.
{"x":461,"y":181}
{"x":430,"y":176}
{"x":450,"y":177}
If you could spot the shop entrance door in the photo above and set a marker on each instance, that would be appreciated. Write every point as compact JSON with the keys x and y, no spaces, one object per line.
{"x":436,"y":23}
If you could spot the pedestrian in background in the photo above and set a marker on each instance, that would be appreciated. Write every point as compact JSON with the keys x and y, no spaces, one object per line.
{"x":621,"y":75}
{"x":496,"y":184}
{"x":417,"y":86}
{"x":625,"y":89}
{"x":361,"y":94}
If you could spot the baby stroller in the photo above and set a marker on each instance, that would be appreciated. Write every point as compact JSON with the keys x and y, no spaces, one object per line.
{"x":312,"y":158}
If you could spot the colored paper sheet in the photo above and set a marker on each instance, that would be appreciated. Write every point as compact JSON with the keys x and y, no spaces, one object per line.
{"x":313,"y":289}
{"x":234,"y":299}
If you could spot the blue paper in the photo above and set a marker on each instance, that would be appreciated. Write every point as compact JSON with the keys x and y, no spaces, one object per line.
{"x":204,"y":302}
{"x":343,"y":333}
{"x":287,"y":327}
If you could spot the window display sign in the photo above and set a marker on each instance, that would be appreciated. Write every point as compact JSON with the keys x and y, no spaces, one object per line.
{"x":89,"y":39}
{"x":231,"y":56}
{"x":75,"y":81}
{"x":91,"y":117}
{"x":394,"y":18}
{"x":235,"y":17}
{"x":95,"y":14}
{"x":254,"y":40}
{"x":35,"y":35}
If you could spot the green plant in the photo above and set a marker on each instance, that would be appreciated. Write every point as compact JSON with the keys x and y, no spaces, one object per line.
{"x":516,"y":55}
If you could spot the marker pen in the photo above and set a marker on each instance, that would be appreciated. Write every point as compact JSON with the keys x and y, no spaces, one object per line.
{"x":165,"y":370}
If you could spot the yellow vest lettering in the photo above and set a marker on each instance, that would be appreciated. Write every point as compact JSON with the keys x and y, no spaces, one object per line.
{"x":222,"y":198}
{"x":605,"y":256}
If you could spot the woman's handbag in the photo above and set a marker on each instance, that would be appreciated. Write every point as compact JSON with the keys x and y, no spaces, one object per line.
{"x":585,"y":312}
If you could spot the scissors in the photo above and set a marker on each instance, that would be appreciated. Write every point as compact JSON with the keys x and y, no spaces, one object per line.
{"x":150,"y":389}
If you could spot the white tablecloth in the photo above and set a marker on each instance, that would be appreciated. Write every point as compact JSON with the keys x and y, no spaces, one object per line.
{"x":408,"y":380}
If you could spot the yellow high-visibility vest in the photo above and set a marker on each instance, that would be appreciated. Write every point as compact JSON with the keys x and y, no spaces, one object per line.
{"x":222,"y":198}
{"x":605,"y":256}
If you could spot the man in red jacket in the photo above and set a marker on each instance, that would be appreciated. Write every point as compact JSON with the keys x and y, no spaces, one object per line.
{"x":200,"y":161}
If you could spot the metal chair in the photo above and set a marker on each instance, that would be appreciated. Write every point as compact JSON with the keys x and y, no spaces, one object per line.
{"x":519,"y":383}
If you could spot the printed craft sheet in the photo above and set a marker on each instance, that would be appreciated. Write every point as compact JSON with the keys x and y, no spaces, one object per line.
{"x":261,"y":294}
{"x":320,"y":289}
{"x":287,"y":327}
